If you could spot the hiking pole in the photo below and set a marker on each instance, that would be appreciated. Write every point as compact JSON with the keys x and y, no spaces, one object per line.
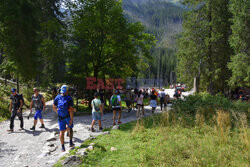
{"x":29,"y":115}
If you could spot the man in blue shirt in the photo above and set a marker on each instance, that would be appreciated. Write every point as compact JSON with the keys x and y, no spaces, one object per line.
{"x":63,"y":106}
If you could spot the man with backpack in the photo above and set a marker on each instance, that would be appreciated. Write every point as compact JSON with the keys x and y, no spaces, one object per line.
{"x":16,"y":103}
{"x":162,"y":98}
{"x":116,"y":106}
{"x":38,"y":102}
{"x":63,"y":106}
{"x":97,"y":111}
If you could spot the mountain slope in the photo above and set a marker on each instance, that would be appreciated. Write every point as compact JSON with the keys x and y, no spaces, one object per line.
{"x":163,"y":18}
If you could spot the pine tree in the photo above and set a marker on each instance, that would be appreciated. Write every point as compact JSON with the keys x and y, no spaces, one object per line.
{"x":204,"y":50}
{"x":239,"y":41}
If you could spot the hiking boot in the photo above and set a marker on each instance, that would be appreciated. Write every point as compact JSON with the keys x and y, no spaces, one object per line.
{"x":33,"y":128}
{"x":71,"y":145}
{"x":42,"y":126}
{"x":10,"y":130}
{"x":63,"y":149}
{"x":114,"y":124}
{"x":100,"y":128}
{"x":92,"y":130}
{"x":119,"y":122}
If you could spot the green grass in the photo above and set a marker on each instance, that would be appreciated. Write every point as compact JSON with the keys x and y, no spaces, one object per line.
{"x":165,"y":140}
{"x":4,"y":103}
{"x":82,"y":108}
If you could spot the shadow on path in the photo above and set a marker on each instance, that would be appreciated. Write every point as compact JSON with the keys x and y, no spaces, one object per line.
{"x":6,"y":152}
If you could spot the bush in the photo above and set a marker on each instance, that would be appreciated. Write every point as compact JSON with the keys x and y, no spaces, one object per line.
{"x":191,"y":104}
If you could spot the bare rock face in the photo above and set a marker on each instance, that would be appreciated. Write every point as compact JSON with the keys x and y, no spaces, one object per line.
{"x":72,"y":161}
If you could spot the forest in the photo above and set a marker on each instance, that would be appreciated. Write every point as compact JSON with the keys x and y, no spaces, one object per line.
{"x":48,"y":42}
{"x":214,"y":45}
{"x":163,"y":19}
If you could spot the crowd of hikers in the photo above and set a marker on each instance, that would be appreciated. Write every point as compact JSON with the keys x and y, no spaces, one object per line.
{"x":63,"y":106}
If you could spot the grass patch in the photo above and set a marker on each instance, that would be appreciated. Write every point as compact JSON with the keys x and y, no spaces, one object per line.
{"x":82,"y":108}
{"x":199,"y":131}
{"x":166,"y":140}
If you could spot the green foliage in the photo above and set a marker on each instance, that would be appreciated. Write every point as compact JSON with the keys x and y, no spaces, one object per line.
{"x":4,"y":103}
{"x":239,"y":41}
{"x":193,"y":103}
{"x":104,"y":43}
{"x":31,"y":38}
{"x":204,"y":49}
{"x":164,"y":20}
{"x":151,"y":142}
{"x":19,"y":34}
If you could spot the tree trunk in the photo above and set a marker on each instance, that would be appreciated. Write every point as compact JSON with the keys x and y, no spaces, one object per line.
{"x":197,"y":84}
{"x":17,"y":83}
{"x":77,"y":98}
{"x":5,"y":80}
{"x":210,"y":77}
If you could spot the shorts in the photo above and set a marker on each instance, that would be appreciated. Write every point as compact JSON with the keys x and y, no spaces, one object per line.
{"x":116,"y":109}
{"x":38,"y":114}
{"x":96,"y":116}
{"x":62,"y":124}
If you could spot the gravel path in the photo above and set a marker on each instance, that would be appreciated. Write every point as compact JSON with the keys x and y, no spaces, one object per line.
{"x":30,"y":148}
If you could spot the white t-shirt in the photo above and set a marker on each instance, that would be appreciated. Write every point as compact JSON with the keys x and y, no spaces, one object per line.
{"x":162,"y":94}
{"x":96,"y":104}
{"x":140,"y":100}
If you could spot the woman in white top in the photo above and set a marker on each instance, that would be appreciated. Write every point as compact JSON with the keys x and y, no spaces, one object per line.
{"x":140,"y":104}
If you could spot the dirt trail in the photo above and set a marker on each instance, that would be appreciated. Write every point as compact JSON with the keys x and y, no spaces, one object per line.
{"x":30,"y":148}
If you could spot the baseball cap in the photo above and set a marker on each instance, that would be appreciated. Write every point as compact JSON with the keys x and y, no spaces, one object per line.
{"x":13,"y":90}
{"x":64,"y":89}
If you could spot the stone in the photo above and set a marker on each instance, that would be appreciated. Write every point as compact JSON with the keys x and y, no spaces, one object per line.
{"x":72,"y":161}
{"x":17,"y":157}
{"x":56,"y":133}
{"x":49,"y":144}
{"x":113,"y":149}
{"x":52,"y":149}
{"x":91,"y":144}
{"x":82,"y":152}
{"x":92,"y":138}
{"x":106,"y":133}
{"x":90,"y":148}
{"x":116,"y":127}
{"x":42,"y":155}
{"x":51,"y":138}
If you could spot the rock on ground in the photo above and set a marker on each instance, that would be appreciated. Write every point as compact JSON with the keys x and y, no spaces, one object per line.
{"x":71,"y":161}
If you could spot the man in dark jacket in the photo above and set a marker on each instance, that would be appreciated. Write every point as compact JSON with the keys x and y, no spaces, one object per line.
{"x":16,"y":103}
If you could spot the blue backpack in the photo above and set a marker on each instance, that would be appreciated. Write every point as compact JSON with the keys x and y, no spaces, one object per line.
{"x":63,"y":105}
